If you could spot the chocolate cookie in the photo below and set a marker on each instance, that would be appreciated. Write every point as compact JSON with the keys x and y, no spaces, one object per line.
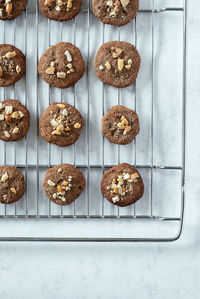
{"x":115,"y":12}
{"x":10,"y":9}
{"x":61,"y":124}
{"x":14,"y":120}
{"x":61,"y":65}
{"x":120,"y":125}
{"x":117,"y":63}
{"x":12,"y":64}
{"x":12,"y":185}
{"x":63,"y":184}
{"x":122,"y":185}
{"x":60,"y":10}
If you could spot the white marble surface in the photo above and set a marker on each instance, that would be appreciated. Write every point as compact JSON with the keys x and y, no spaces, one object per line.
{"x":120,"y":270}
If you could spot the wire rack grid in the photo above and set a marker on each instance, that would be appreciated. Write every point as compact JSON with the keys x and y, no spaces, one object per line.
{"x":34,"y":157}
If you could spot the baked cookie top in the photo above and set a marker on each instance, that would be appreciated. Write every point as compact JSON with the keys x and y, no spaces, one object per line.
{"x":61,"y":65}
{"x":60,"y":10}
{"x":120,"y":125}
{"x":12,"y":64}
{"x":122,"y":185}
{"x":61,"y":124}
{"x":117,"y":63}
{"x":12,"y":185}
{"x":14,"y":120}
{"x":115,"y":12}
{"x":63,"y":184}
{"x":10,"y":9}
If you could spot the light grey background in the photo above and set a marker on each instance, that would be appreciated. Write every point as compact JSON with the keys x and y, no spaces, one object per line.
{"x":120,"y":270}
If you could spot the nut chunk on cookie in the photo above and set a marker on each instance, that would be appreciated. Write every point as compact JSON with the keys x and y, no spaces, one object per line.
{"x":63,"y":184}
{"x":61,"y":124}
{"x":12,"y":64}
{"x":117,"y":63}
{"x":122,"y":185}
{"x":14,"y":120}
{"x":10,"y":9}
{"x":61,"y":65}
{"x":12,"y":185}
{"x":60,"y":10}
{"x":120,"y":125}
{"x":115,"y":12}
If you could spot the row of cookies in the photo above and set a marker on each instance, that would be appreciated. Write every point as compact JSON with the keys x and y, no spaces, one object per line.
{"x":114,"y":12}
{"x":62,"y":124}
{"x":122,"y":185}
{"x":62,"y":65}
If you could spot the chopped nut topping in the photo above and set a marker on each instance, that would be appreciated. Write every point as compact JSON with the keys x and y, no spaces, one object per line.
{"x":61,"y":105}
{"x":13,"y":190}
{"x":101,"y":67}
{"x":77,"y":126}
{"x":59,"y":188}
{"x":128,"y":66}
{"x":69,"y":57}
{"x":10,"y":55}
{"x":108,"y":65}
{"x":61,"y":75}
{"x":15,"y":130}
{"x":69,"y":5}
{"x":9,"y":8}
{"x":124,"y":125}
{"x":48,"y":2}
{"x":50,"y":70}
{"x":130,"y":61}
{"x":1,"y":117}
{"x":4,"y":177}
{"x":115,"y":199}
{"x":127,"y":129}
{"x":17,"y":114}
{"x":6,"y":133}
{"x":60,"y":128}
{"x":54,"y":123}
{"x":59,"y":170}
{"x":56,"y":132}
{"x":134,"y":177}
{"x":69,"y":65}
{"x":124,"y":3}
{"x":116,"y":52}
{"x":2,"y":106}
{"x":54,"y":195}
{"x":57,"y":8}
{"x":18,"y":69}
{"x":1,"y":72}
{"x":120,"y":64}
{"x":51,"y":183}
{"x":65,"y":112}
{"x":8,"y":109}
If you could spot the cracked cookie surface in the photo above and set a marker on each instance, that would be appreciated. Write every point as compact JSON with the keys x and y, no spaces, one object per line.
{"x":115,"y":12}
{"x":61,"y":65}
{"x":117,"y":63}
{"x":122,"y":185}
{"x":63,"y":184}
{"x":120,"y":125}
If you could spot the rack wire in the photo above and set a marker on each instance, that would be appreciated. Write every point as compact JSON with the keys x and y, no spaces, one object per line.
{"x":32,"y":205}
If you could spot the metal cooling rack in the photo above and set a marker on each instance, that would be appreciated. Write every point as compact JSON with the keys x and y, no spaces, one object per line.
{"x":33,"y":156}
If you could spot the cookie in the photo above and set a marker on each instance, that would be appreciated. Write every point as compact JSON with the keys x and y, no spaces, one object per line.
{"x":14,"y":120}
{"x":117,"y":63}
{"x":122,"y":185}
{"x":61,"y":65}
{"x":60,"y":10}
{"x":12,"y":65}
{"x":10,"y":9}
{"x":120,"y":125}
{"x":61,"y":124}
{"x":63,"y":184}
{"x":12,"y":185}
{"x":115,"y":12}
